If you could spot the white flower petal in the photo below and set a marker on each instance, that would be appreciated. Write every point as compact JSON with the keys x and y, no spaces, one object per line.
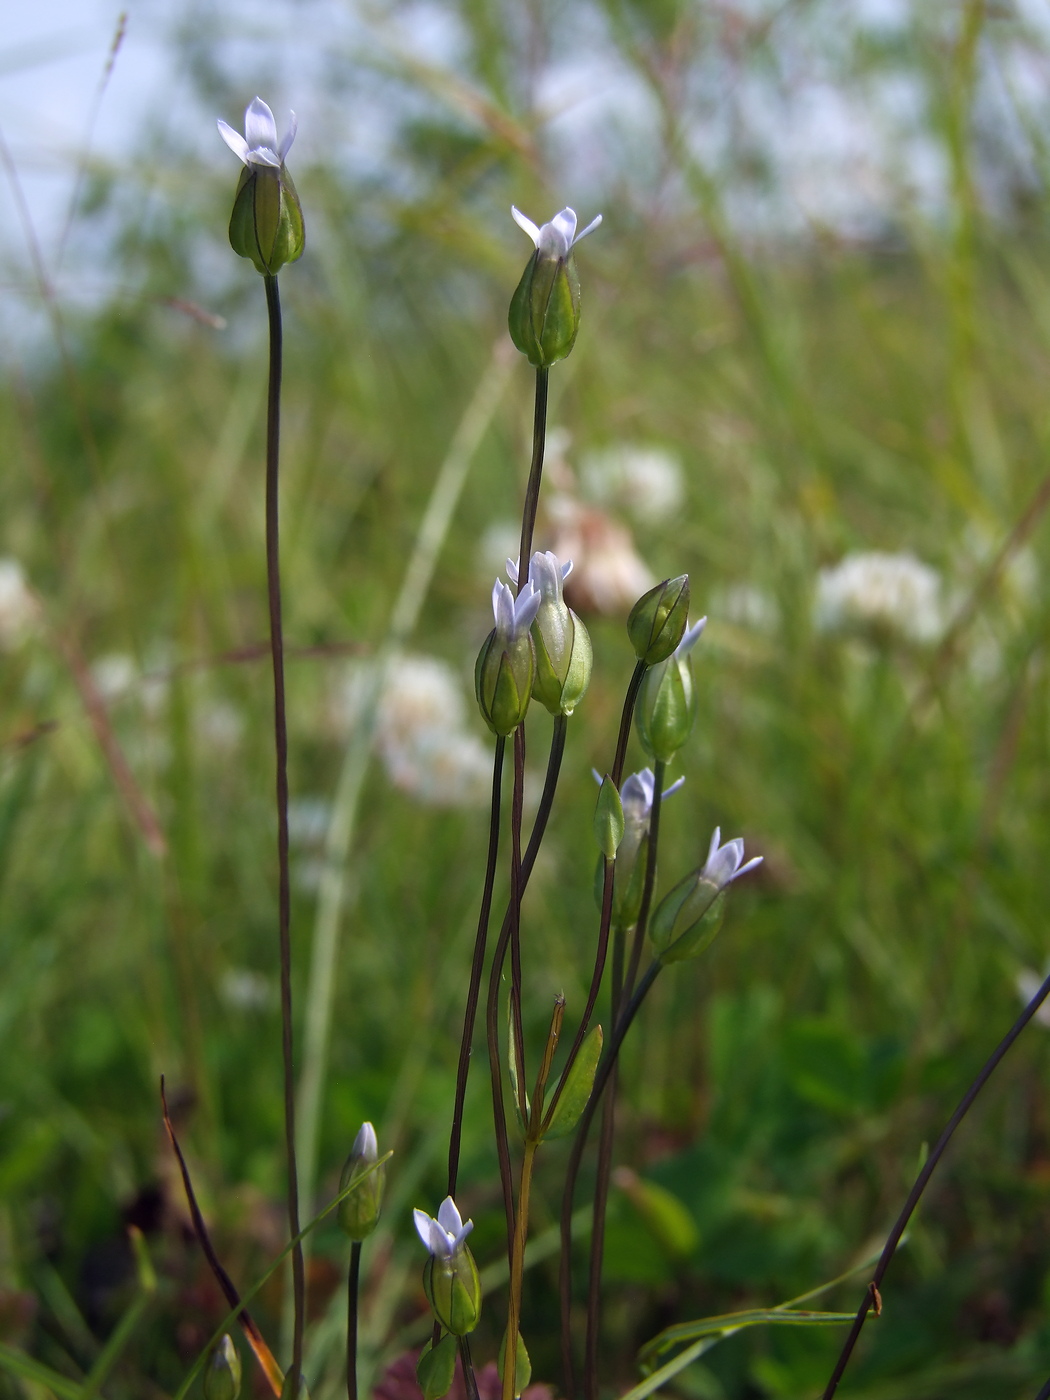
{"x":594,"y":223}
{"x":673,"y":788}
{"x":423,"y":1223}
{"x":260,"y":129}
{"x":262,"y":155}
{"x":715,"y":839}
{"x":512,"y":570}
{"x":462,"y":1234}
{"x":565,"y":223}
{"x":289,"y":137}
{"x":234,"y":140}
{"x":526,"y":606}
{"x":449,"y":1217}
{"x":755,"y":860}
{"x":365,"y":1144}
{"x":441,"y":1242}
{"x":691,"y":638}
{"x":526,"y":224}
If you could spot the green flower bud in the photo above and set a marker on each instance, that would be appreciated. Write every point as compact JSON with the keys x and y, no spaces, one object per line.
{"x":506,"y":665}
{"x":658,"y":619}
{"x":545,"y":309}
{"x":358,"y":1211}
{"x":608,"y":819}
{"x":562,"y":643}
{"x":222,"y":1375}
{"x":267,"y":220}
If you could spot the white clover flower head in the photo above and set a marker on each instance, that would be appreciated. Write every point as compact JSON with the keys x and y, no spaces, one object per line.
{"x":896,"y":592}
{"x":558,"y":238}
{"x":514,"y":615}
{"x":690,"y":639}
{"x":724,"y":862}
{"x":365,"y":1145}
{"x":546,"y":572}
{"x":444,"y":1236}
{"x":259,"y":144}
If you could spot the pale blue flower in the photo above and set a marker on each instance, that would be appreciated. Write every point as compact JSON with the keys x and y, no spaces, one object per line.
{"x":723,"y":862}
{"x":444,"y":1236}
{"x":259,"y":144}
{"x":514,"y":615}
{"x":558,"y":238}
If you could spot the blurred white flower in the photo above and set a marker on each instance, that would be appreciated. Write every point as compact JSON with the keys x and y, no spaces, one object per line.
{"x":1028,"y":983}
{"x":219,"y":725}
{"x":421,"y":731}
{"x":114,"y":674}
{"x":647,"y":482}
{"x":609,"y":575}
{"x":244,"y":989}
{"x":895,"y":592}
{"x":19,"y":610}
{"x":746,"y":605}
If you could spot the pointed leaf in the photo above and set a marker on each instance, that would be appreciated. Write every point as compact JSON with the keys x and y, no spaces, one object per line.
{"x":437,"y":1367}
{"x":578,"y":1087}
{"x":522,"y":1365}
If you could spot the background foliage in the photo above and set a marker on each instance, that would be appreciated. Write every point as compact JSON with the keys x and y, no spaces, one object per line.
{"x":820,"y":287}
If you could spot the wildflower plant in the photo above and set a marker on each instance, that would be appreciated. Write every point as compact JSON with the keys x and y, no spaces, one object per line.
{"x":538,"y":649}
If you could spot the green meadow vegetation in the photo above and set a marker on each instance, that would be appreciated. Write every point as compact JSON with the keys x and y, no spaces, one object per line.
{"x":811,"y":392}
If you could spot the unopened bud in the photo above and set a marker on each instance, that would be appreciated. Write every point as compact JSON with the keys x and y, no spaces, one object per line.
{"x":358,"y":1212}
{"x":608,"y":819}
{"x":222,"y":1375}
{"x":657,"y":621}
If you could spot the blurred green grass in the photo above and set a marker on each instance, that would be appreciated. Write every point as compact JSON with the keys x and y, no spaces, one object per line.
{"x":824,"y":395}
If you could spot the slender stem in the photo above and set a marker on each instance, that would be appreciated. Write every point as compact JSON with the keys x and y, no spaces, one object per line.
{"x":922,"y":1181}
{"x":1044,"y":1394}
{"x":473,"y":991}
{"x":517,"y":1263}
{"x":515,"y":915}
{"x":642,"y":923}
{"x":605,"y":1069}
{"x":353,"y":1291}
{"x":532,"y":491}
{"x":273,"y":588}
{"x":469,"y":1379}
{"x":601,"y":1190}
{"x":630,"y":700}
{"x":499,"y":1115}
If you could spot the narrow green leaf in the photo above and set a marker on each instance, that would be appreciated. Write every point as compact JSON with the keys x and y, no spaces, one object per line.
{"x":578,"y":1087}
{"x":16,"y":1363}
{"x":522,"y":1365}
{"x":517,"y":1071}
{"x":733,"y":1322}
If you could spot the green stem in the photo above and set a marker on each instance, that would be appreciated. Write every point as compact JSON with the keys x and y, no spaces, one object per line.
{"x":353,"y":1292}
{"x":642,"y":924}
{"x":517,"y":1261}
{"x":273,"y":588}
{"x":473,"y":991}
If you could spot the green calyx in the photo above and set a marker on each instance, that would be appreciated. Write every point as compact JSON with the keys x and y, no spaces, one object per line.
{"x":267,"y":220}
{"x":564,"y":658}
{"x":658,"y":620}
{"x":666,"y":708}
{"x":687,"y":919}
{"x":358,"y":1211}
{"x":545,"y":309}
{"x":503,"y":680}
{"x":453,"y":1290}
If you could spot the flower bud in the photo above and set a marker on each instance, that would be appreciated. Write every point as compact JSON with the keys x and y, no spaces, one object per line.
{"x":506,"y":668}
{"x":687,"y":919}
{"x":358,"y":1211}
{"x":267,"y":220}
{"x":658,"y":620}
{"x":222,"y":1375}
{"x":608,"y":819}
{"x":453,"y":1289}
{"x":562,"y":643}
{"x":545,"y":309}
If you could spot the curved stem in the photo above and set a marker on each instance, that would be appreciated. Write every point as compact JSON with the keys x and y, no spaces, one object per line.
{"x":532,"y":491}
{"x":499,"y":1115}
{"x":473,"y":991}
{"x":922,"y":1181}
{"x":605,"y":1070}
{"x":630,"y":699}
{"x":353,"y":1291}
{"x":273,"y":589}
{"x":642,"y":924}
